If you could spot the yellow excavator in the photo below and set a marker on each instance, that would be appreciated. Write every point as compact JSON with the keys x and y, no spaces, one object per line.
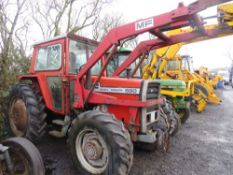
{"x":167,"y":64}
{"x":171,"y":66}
{"x":210,"y":80}
{"x":216,"y":81}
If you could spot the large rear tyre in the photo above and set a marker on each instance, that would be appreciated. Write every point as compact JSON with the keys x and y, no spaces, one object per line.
{"x":184,"y":114}
{"x":25,"y":114}
{"x":25,"y":158}
{"x":100,"y":144}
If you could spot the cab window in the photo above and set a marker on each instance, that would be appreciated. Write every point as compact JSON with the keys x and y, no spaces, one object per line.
{"x":78,"y":56}
{"x":172,"y":65}
{"x":116,"y":61}
{"x":49,"y":58}
{"x":96,"y":68}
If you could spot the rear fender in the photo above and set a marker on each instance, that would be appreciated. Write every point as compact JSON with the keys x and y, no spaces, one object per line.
{"x":37,"y":83}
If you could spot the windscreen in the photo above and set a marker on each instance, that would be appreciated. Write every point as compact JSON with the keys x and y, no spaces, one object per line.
{"x":172,"y":65}
{"x":78,"y":55}
{"x":187,"y":63}
{"x":116,"y":61}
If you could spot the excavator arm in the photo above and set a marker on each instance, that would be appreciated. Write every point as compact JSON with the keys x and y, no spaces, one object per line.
{"x":226,"y":14}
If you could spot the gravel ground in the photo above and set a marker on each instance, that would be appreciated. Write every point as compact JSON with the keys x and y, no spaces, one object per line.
{"x":204,"y":145}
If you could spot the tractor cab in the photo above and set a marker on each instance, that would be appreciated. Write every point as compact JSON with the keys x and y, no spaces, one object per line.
{"x":172,"y":69}
{"x":187,"y":63}
{"x":55,"y":62}
{"x":49,"y":55}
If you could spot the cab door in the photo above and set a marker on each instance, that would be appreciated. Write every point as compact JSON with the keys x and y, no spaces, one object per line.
{"x":49,"y":67}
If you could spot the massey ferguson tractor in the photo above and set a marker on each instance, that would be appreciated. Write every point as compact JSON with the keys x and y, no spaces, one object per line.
{"x":66,"y":87}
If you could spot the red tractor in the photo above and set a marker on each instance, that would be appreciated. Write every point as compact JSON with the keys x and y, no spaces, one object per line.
{"x":66,"y":87}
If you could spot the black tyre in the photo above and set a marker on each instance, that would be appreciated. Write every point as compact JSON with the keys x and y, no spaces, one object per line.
{"x":177,"y":123}
{"x":200,"y":87}
{"x":25,"y":114}
{"x":162,"y":143}
{"x":100,"y":144}
{"x":184,"y":114}
{"x":172,"y":116}
{"x":25,"y":157}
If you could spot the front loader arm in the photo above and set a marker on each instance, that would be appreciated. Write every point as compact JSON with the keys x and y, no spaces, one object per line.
{"x":223,"y":28}
{"x":180,"y":17}
{"x":146,"y":46}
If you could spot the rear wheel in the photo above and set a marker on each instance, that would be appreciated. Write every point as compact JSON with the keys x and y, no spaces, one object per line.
{"x":25,"y":113}
{"x":184,"y":114}
{"x":24,"y":156}
{"x":100,"y":144}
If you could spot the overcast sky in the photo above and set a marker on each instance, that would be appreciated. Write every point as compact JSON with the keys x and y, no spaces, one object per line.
{"x":213,"y":53}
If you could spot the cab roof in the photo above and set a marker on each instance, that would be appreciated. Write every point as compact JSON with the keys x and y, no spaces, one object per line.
{"x":68,"y":35}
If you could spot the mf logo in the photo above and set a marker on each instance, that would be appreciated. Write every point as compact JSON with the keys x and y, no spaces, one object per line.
{"x":144,"y":24}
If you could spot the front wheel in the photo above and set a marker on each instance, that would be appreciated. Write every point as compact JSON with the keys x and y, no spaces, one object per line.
{"x":184,"y":114}
{"x":24,"y":156}
{"x":100,"y":144}
{"x":172,"y":117}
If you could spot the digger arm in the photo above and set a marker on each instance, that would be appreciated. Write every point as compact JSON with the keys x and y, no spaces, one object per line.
{"x":226,"y":13}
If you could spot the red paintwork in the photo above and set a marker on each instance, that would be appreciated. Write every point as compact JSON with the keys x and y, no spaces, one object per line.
{"x":153,"y":44}
{"x":125,"y":107}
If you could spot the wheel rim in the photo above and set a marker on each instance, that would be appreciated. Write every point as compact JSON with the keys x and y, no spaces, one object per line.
{"x":18,"y":117}
{"x":20,"y":164}
{"x":182,"y":114}
{"x":92,"y":151}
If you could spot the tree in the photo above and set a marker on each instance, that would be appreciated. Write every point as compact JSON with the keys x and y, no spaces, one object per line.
{"x":20,"y":19}
{"x":13,"y":59}
{"x":103,"y":25}
{"x":62,"y":16}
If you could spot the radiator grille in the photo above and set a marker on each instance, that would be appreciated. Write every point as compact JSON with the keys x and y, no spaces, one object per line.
{"x":153,"y":90}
